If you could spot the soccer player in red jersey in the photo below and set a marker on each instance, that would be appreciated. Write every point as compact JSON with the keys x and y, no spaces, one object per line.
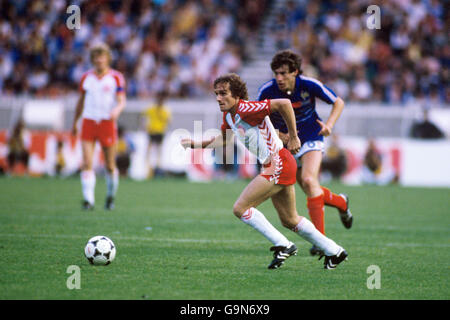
{"x":249,"y":121}
{"x":101,"y":101}
{"x":303,"y":91}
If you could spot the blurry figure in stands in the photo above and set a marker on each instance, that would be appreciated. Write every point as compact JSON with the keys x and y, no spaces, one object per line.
{"x":425,"y":129}
{"x":60,"y":160}
{"x":18,"y":153}
{"x":125,"y":148}
{"x":157,"y":117}
{"x":373,"y":171}
{"x":334,"y":162}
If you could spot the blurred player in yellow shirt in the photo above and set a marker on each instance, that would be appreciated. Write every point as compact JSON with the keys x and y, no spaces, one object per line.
{"x":157,"y":117}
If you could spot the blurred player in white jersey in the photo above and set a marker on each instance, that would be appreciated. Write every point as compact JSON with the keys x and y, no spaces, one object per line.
{"x":102,"y":99}
{"x":249,"y":121}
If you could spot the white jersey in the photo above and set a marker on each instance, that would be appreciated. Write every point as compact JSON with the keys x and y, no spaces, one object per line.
{"x":251,"y":124}
{"x":101,"y":93}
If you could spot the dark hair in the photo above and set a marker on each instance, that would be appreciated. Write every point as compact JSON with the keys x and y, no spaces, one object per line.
{"x":238,"y":87}
{"x":289,"y":58}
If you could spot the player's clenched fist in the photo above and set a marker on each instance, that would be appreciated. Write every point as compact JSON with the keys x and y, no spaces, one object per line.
{"x":294,"y":144}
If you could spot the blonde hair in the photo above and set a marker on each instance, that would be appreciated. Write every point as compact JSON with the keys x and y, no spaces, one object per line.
{"x":100,"y":48}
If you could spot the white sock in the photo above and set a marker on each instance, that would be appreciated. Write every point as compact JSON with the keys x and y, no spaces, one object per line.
{"x":112,"y":183}
{"x":88,"y":185}
{"x":254,"y":218}
{"x":307,"y":231}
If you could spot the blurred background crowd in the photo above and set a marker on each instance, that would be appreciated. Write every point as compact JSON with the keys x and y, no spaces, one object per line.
{"x":406,"y":59}
{"x":173,"y":45}
{"x":182,"y":45}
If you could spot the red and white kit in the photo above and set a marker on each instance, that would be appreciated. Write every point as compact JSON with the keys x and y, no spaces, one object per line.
{"x":251,"y":124}
{"x":100,"y":99}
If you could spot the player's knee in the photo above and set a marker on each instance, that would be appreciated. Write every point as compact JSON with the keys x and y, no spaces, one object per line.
{"x":238,"y":209}
{"x":308,"y":182}
{"x":86,"y":166}
{"x":110,"y":168}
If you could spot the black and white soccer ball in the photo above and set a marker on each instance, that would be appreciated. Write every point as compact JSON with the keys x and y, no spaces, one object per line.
{"x":100,"y":250}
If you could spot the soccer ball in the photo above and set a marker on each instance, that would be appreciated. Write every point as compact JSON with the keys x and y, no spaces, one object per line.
{"x":100,"y":250}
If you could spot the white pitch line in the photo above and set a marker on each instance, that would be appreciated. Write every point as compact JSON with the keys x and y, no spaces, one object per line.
{"x":130,"y":238}
{"x":181,"y":240}
{"x":414,"y":245}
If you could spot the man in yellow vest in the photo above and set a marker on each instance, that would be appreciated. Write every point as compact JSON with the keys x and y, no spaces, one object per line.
{"x":158,"y":117}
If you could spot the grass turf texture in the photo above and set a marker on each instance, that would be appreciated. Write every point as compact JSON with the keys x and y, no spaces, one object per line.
{"x":197,"y":249}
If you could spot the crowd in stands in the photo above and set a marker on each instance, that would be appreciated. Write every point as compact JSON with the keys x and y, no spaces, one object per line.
{"x":406,"y":60}
{"x":174,"y":45}
{"x":181,"y":45}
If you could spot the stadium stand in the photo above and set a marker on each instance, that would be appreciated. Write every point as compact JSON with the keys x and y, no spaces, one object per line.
{"x":404,"y":61}
{"x":177,"y":45}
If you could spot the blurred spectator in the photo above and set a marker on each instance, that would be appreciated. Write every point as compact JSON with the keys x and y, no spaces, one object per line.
{"x":373,"y":171}
{"x":125,"y":148}
{"x":334,"y":162}
{"x":157,"y":118}
{"x":155,"y":44}
{"x":60,"y":160}
{"x":425,"y":129}
{"x":18,"y":153}
{"x":372,"y":158}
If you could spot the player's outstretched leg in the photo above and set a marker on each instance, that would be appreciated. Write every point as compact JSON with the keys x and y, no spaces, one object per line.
{"x":259,"y":190}
{"x":340,"y":202}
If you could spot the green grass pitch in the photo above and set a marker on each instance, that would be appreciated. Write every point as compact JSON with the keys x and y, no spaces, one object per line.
{"x":180,"y":240}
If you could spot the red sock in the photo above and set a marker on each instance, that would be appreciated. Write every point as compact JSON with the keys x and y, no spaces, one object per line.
{"x":333,"y":200}
{"x":316,"y":212}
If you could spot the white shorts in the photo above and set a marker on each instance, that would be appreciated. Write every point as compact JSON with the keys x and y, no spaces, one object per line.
{"x":308,"y":146}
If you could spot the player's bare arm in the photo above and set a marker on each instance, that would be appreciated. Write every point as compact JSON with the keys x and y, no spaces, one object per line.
{"x":214,"y":142}
{"x":284,"y":107}
{"x":78,"y":112}
{"x":327,"y":127}
{"x":117,"y":110}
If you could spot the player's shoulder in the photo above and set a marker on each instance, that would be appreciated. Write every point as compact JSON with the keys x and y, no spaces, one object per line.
{"x":246,"y":106}
{"x":266,"y":87}
{"x":118,"y":78}
{"x":115,"y":72}
{"x":86,"y":74}
{"x":309,"y":80}
{"x":315,"y":85}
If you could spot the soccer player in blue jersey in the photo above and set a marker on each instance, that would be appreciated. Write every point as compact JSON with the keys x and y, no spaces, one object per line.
{"x":303,"y":91}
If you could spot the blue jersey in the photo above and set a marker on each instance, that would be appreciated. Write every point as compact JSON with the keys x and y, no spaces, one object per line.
{"x":303,"y":101}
